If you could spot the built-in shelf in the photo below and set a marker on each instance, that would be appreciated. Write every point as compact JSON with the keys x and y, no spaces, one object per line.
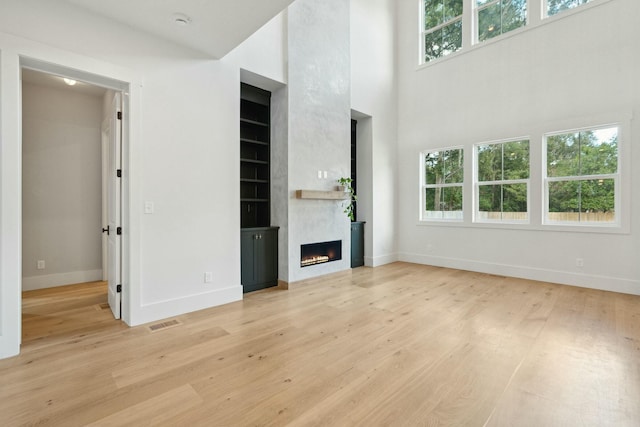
{"x":253,"y":122}
{"x":321,"y":194}
{"x":259,"y":162}
{"x":255,"y":156}
{"x":254,"y":141}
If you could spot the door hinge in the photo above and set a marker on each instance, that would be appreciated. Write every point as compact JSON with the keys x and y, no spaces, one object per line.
{"x":119,"y":173}
{"x":119,"y":115}
{"x":119,"y":231}
{"x":118,"y":288}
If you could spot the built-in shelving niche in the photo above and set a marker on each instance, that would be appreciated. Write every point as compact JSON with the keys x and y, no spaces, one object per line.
{"x":255,"y":139}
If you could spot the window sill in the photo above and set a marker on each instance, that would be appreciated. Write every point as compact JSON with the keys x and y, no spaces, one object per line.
{"x":556,"y":228}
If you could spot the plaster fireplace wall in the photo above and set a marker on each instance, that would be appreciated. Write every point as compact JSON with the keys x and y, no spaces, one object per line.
{"x":317,"y":122}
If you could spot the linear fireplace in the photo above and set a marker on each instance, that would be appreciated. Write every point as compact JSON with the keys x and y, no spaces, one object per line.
{"x":319,"y":253}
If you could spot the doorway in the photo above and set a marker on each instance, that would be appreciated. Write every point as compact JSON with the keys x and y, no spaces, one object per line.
{"x":71,"y":223}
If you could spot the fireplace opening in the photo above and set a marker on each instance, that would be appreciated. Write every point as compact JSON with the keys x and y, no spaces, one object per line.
{"x":319,"y":253}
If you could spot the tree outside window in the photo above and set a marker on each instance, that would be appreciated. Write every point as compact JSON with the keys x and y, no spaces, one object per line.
{"x":503,"y":181}
{"x":495,"y":17}
{"x":442,"y":31}
{"x":582,"y":176}
{"x":556,"y":6}
{"x":442,"y":184}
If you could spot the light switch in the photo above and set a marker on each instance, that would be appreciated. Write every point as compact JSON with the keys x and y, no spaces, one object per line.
{"x":148,"y":207}
{"x":319,"y":174}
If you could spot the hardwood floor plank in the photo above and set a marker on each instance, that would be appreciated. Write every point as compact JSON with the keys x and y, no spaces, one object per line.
{"x":401,"y":344}
{"x":146,"y":413}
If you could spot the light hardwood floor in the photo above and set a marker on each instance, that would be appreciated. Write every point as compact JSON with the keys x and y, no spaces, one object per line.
{"x":401,"y":344}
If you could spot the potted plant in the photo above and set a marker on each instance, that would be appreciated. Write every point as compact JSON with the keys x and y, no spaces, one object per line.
{"x":348,"y":205}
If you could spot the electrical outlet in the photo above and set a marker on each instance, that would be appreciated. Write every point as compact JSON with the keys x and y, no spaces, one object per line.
{"x":40,"y":264}
{"x":579,"y":262}
{"x":208,"y":277}
{"x":148,"y":207}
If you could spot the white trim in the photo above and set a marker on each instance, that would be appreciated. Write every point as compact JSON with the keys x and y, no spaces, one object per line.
{"x":605,"y":283}
{"x":10,"y":203}
{"x":377,"y":261}
{"x":60,"y":279}
{"x":16,"y":52}
{"x":617,"y":178}
{"x":422,"y":213}
{"x":477,"y":183}
{"x":423,"y":32}
{"x":174,"y":307}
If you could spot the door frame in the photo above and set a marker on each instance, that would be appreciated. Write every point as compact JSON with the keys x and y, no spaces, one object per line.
{"x":15,"y":54}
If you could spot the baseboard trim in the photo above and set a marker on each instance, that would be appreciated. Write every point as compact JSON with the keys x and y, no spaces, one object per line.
{"x":604,"y":283}
{"x":155,"y":311}
{"x":377,"y":261}
{"x":60,"y":279}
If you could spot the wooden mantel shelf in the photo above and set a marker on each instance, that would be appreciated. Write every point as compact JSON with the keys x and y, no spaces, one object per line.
{"x":320,"y":194}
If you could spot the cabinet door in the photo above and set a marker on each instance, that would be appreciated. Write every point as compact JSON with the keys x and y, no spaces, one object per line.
{"x":357,"y":244}
{"x":267,"y":254}
{"x":247,"y":258}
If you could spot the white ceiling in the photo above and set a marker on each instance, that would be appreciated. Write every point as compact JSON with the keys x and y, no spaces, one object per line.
{"x":216,"y":28}
{"x":57,"y":82}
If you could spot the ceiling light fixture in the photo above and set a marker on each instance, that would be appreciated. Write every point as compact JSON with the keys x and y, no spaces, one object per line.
{"x":70,"y":82}
{"x":181,"y":19}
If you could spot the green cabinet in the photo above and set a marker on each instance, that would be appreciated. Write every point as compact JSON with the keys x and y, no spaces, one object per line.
{"x":357,"y":244}
{"x":258,"y":258}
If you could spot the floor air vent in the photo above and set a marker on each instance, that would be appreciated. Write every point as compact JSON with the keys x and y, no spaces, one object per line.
{"x":164,"y":325}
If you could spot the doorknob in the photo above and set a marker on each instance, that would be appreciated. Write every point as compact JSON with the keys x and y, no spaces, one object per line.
{"x":106,"y":230}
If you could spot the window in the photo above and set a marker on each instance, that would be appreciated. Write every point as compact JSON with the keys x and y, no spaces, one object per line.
{"x":449,"y":26}
{"x":582,"y":178}
{"x":443,"y":177}
{"x":502,"y":181}
{"x":495,"y":17}
{"x":442,"y":29}
{"x":556,"y":6}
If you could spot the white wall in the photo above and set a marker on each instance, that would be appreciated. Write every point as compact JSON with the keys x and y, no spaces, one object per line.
{"x":183,"y":149}
{"x":183,"y":114}
{"x":61,"y":186}
{"x":374,"y":99}
{"x":558,"y":75}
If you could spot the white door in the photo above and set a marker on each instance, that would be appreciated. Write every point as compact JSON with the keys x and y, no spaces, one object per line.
{"x":114,"y":213}
{"x":106,"y":137}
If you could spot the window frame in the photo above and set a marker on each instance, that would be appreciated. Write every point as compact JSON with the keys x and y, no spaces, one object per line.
{"x":423,"y":32}
{"x":617,"y":178}
{"x":424,"y":218}
{"x":536,"y":16}
{"x":476,"y":20}
{"x":477,"y":184}
{"x":545,"y":8}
